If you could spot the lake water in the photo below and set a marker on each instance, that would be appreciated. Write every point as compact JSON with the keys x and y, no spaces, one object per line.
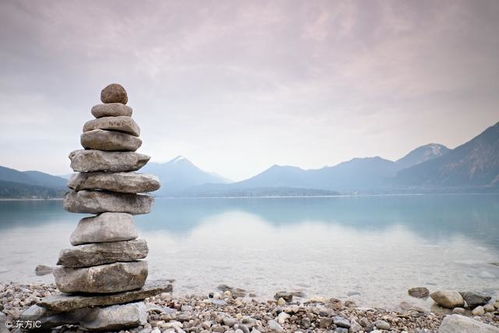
{"x":369,"y":249}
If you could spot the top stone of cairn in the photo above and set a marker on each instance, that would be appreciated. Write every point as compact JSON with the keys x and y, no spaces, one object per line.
{"x":114,"y":93}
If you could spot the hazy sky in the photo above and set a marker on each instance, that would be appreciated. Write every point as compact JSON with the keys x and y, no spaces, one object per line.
{"x":237,"y":86}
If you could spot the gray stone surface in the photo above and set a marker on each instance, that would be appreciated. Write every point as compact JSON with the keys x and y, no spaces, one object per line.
{"x":119,"y":123}
{"x":110,"y":278}
{"x":109,"y":318}
{"x":64,"y":303}
{"x":109,"y":140}
{"x":474,"y":299}
{"x":67,"y":318}
{"x":35,"y":312}
{"x":114,"y":93}
{"x":3,"y":320}
{"x":447,"y":298}
{"x":341,"y":322}
{"x":96,"y":160}
{"x":478,"y":311}
{"x":116,"y":317}
{"x":41,"y":270}
{"x":382,"y":325}
{"x":123,"y":182}
{"x":96,"y":202}
{"x":419,"y":292}
{"x":103,"y":253}
{"x":460,"y":324}
{"x":111,"y":110}
{"x":106,"y":227}
{"x":287,"y":296}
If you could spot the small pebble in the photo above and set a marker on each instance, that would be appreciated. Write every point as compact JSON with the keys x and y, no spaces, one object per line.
{"x":489,"y":308}
{"x":274,"y":326}
{"x":478,"y":311}
{"x":382,"y":325}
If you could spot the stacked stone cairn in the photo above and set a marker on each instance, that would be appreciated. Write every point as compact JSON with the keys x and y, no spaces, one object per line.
{"x":105,"y":267}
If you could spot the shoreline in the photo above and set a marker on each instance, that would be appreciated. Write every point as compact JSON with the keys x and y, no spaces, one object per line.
{"x":233,"y":310}
{"x":31,"y":199}
{"x":285,"y":196}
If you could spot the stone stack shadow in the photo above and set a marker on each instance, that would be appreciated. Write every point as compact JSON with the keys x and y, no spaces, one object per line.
{"x":105,"y":265}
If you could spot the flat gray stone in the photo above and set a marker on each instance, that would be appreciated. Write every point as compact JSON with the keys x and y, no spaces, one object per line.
{"x":41,"y":270}
{"x":109,"y":140}
{"x":116,"y":317}
{"x":119,"y":123}
{"x":114,"y":93}
{"x":35,"y":312}
{"x":111,"y":110}
{"x":110,"y":278}
{"x":109,"y":318}
{"x":341,"y":322}
{"x":51,"y":320}
{"x":96,"y":160}
{"x":64,"y":303}
{"x":419,"y":292}
{"x":474,"y":299}
{"x":460,"y":324}
{"x":103,"y":253}
{"x":95,"y":202}
{"x":106,"y":227}
{"x":123,"y":182}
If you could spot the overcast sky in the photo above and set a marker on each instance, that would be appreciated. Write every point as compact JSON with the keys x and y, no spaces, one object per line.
{"x":237,"y":86}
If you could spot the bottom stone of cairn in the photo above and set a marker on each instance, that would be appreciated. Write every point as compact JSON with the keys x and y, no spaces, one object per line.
{"x":109,"y":318}
{"x":95,"y":312}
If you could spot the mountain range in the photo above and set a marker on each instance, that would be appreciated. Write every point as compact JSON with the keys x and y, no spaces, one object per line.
{"x":180,"y":174}
{"x":473,"y":166}
{"x":30,"y":184}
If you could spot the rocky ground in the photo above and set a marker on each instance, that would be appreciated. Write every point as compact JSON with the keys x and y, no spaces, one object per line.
{"x":231,"y":310}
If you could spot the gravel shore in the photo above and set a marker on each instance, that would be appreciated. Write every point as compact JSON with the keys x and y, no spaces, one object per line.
{"x":232,"y":310}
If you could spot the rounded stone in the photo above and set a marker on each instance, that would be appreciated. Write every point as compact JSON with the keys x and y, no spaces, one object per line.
{"x":448,"y":298}
{"x":456,"y":323}
{"x":109,"y":140}
{"x":118,"y":123}
{"x":489,"y":308}
{"x":111,"y":110}
{"x":478,"y":311}
{"x":419,"y":292}
{"x":382,"y":325}
{"x":114,"y":93}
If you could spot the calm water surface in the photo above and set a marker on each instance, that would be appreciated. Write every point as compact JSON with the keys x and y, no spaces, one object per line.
{"x":371,"y":248}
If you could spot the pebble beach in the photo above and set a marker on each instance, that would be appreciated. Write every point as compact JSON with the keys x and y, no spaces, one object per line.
{"x":232,"y":310}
